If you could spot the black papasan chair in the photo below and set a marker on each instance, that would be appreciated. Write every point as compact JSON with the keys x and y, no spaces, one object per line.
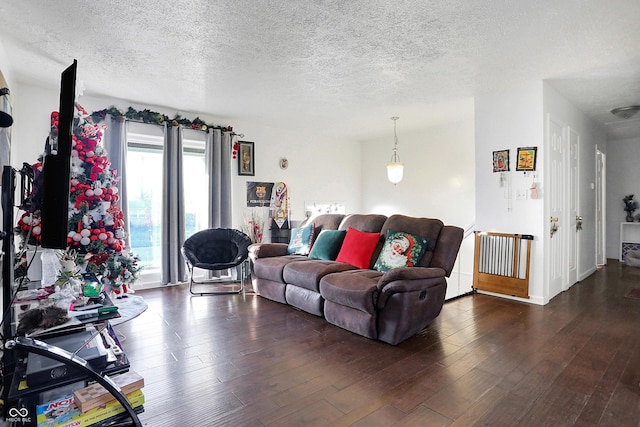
{"x":217,"y":249}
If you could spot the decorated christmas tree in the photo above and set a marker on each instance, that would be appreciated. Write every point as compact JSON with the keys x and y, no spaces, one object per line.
{"x":96,"y":222}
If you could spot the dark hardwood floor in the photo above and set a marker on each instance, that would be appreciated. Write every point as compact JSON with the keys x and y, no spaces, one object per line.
{"x":244,"y":360}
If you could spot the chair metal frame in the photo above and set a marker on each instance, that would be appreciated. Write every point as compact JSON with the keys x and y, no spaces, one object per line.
{"x":239,"y":263}
{"x":192,"y":282}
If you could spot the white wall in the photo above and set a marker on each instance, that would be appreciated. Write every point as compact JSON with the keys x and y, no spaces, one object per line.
{"x":5,"y":68}
{"x":438,"y":174}
{"x":508,"y":120}
{"x":31,"y":122}
{"x":623,"y":178}
{"x":515,"y":118}
{"x":320,"y":168}
{"x":438,"y":182}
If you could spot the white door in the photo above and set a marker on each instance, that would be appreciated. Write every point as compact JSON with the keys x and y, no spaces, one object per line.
{"x":574,"y":220}
{"x":601,"y":259}
{"x":556,"y":198}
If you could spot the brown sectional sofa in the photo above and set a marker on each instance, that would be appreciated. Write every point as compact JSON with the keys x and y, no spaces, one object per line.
{"x":388,"y":306}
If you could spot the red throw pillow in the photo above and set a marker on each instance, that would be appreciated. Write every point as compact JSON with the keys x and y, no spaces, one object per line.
{"x":358,"y":247}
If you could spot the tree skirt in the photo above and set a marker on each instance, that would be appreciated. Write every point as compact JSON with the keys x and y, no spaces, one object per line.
{"x":633,"y":293}
{"x":128,"y":307}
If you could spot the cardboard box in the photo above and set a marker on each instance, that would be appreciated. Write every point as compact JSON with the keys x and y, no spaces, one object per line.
{"x":63,"y":412}
{"x":95,"y":395}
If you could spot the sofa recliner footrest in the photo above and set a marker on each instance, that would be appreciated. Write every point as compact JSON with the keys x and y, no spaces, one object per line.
{"x":356,"y":289}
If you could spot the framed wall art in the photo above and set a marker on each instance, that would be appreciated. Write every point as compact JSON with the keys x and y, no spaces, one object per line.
{"x":246,"y":158}
{"x":526,"y":159}
{"x":259,"y":194}
{"x":501,"y":161}
{"x":6,"y":120}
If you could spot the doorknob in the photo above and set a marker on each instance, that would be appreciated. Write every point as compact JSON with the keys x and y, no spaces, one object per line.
{"x":554,"y":225}
{"x":578,"y":222}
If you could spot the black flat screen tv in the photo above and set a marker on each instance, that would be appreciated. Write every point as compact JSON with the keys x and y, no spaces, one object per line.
{"x":56,"y":169}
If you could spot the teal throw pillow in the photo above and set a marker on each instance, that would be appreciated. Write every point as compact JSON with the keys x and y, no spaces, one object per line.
{"x":327,"y":244}
{"x":400,"y":249}
{"x":301,"y":240}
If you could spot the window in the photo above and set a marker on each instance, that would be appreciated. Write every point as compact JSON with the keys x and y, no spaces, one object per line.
{"x":196,"y":184}
{"x":144,"y":193}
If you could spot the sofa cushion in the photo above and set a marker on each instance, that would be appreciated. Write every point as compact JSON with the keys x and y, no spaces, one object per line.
{"x":356,"y":289}
{"x":327,"y":244}
{"x":371,"y":223}
{"x":301,"y":240}
{"x":400,"y":249}
{"x":429,"y":228}
{"x":325,"y":222}
{"x":307,"y":274}
{"x":271,"y":268}
{"x":358,"y":247}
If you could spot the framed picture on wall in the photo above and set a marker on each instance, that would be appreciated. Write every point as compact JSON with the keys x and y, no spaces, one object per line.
{"x":501,"y":161}
{"x":246,"y":158}
{"x":6,"y":120}
{"x":526,"y":159}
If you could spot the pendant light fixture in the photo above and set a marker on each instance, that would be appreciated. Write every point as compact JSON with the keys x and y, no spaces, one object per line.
{"x":395,"y":167}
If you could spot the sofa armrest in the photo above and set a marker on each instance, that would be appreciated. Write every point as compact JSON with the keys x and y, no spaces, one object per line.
{"x":446,"y":251}
{"x":408,"y":279}
{"x":266,"y":250}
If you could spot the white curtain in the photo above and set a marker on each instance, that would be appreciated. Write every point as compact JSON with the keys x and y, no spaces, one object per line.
{"x":173,"y":211}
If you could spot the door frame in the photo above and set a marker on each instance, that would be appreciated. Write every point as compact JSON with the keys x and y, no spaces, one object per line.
{"x":558,"y":252}
{"x":555,"y":143}
{"x":601,"y":208}
{"x":572,"y":206}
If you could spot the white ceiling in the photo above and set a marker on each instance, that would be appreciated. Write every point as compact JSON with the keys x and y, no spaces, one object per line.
{"x":332,"y":66}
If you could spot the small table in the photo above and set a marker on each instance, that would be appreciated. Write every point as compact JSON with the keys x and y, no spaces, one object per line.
{"x":280,"y":235}
{"x":128,"y":307}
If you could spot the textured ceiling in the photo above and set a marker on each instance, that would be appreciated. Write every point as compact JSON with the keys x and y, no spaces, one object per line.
{"x":332,"y":66}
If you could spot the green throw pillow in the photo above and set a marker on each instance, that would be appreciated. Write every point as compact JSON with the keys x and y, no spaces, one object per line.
{"x":400,"y":249}
{"x":301,"y":240}
{"x":327,"y":245}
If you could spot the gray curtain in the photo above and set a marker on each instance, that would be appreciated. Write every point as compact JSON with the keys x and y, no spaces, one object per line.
{"x":115,"y":142}
{"x":173,"y":226}
{"x":218,"y":166}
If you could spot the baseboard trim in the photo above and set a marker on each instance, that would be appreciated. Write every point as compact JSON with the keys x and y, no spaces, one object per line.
{"x":587,"y":273}
{"x":531,"y":300}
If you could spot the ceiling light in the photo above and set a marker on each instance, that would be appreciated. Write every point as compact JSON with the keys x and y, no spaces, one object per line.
{"x":395,"y":167}
{"x":626,"y":112}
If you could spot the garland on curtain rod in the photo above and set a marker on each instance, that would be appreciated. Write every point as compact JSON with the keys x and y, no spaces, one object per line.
{"x":148,"y":116}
